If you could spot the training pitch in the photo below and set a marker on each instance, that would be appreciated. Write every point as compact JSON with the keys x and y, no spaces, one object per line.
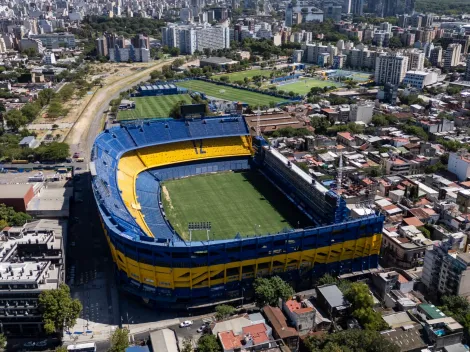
{"x":229,"y":93}
{"x":149,"y":107}
{"x":234,"y":202}
{"x":240,"y":76}
{"x":303,"y":86}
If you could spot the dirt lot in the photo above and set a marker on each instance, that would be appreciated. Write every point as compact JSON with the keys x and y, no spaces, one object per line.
{"x":110,"y":73}
{"x":126,"y":76}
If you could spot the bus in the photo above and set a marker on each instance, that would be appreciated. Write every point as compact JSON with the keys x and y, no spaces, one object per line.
{"x":82,"y":347}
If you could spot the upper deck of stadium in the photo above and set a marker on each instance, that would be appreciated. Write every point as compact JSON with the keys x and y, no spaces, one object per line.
{"x":130,"y":160}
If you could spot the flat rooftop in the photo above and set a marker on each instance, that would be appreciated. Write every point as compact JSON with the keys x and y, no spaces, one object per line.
{"x":14,"y":191}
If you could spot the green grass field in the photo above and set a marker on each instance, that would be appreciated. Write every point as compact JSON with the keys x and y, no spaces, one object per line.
{"x":239,"y":76}
{"x":233,"y":202}
{"x":229,"y":93}
{"x":303,"y":86}
{"x":149,"y":107}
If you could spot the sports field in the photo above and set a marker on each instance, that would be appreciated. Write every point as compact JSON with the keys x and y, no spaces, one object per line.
{"x":229,"y":93}
{"x":303,"y":86}
{"x":233,"y":202}
{"x":149,"y":107}
{"x":240,"y":76}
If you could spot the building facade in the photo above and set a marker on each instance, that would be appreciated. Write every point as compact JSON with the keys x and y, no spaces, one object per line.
{"x":390,"y":68}
{"x":191,"y":38}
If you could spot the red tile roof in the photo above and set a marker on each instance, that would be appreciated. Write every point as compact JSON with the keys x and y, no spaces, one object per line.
{"x":257,"y":332}
{"x":296,"y":307}
{"x":414,"y":221}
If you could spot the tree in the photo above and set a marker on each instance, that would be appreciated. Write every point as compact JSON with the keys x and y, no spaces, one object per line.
{"x":268,"y":291}
{"x":66,"y":93}
{"x":395,"y":43}
{"x":56,"y":109}
{"x":15,"y":119}
{"x":187,"y":345}
{"x":3,"y":341}
{"x":224,"y":311}
{"x":175,"y":111}
{"x":224,"y":79}
{"x":30,"y":111}
{"x":208,"y":343}
{"x":58,"y":309}
{"x":53,"y":151}
{"x":45,"y":96}
{"x":119,"y":340}
{"x":370,"y":319}
{"x":320,"y":124}
{"x":359,"y":296}
{"x":327,"y":279}
{"x":11,"y":217}
{"x":353,"y":340}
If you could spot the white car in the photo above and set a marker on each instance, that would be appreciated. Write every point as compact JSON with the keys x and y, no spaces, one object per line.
{"x":186,"y":323}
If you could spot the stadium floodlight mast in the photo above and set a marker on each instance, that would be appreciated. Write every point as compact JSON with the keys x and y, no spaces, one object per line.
{"x":199,"y":226}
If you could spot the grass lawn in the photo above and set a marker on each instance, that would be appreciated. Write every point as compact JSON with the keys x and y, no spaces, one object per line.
{"x":229,"y":93}
{"x":303,"y":86}
{"x":233,"y":202}
{"x":149,"y":107}
{"x":239,"y":76}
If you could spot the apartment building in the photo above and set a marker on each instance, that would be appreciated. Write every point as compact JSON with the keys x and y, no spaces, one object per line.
{"x":31,"y":261}
{"x":446,"y":271}
{"x":189,"y":38}
{"x":415,"y":60}
{"x":390,"y":68}
{"x":129,"y":54}
{"x":420,"y":79}
{"x":317,"y":53}
{"x":102,"y":46}
{"x":467,"y":70}
{"x":435,"y":56}
{"x":56,"y":40}
{"x":459,"y":164}
{"x":452,"y":56}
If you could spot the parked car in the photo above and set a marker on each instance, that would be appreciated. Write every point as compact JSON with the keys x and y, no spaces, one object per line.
{"x":186,"y":323}
{"x":41,"y":343}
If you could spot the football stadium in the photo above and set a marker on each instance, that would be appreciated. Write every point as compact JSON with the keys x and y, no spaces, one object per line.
{"x":195,"y":209}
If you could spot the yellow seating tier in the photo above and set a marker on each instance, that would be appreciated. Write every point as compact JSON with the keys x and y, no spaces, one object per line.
{"x":134,"y":162}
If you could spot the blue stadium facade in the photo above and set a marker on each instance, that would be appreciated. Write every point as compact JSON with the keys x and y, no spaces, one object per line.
{"x":155,"y":263}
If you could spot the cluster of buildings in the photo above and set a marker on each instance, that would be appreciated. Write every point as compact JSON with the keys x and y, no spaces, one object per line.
{"x":120,"y":49}
{"x":32,"y":256}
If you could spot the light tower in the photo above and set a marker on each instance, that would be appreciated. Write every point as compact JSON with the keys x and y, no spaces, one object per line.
{"x":340,"y":177}
{"x":258,"y":123}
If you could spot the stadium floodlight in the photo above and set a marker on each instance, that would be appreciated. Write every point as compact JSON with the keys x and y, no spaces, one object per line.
{"x":199,"y":226}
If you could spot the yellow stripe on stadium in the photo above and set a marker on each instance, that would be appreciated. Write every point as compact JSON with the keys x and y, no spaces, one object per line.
{"x":207,"y":276}
{"x":134,"y":162}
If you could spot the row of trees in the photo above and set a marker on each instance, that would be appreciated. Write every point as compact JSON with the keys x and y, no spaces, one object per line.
{"x":10,"y":217}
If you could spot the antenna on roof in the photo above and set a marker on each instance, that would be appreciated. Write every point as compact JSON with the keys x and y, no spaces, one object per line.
{"x":258,"y":122}
{"x":340,"y":177}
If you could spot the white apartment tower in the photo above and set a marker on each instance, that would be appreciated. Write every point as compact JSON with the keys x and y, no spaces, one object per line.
{"x":390,"y":68}
{"x":452,"y":55}
{"x":189,"y":38}
{"x":415,"y":60}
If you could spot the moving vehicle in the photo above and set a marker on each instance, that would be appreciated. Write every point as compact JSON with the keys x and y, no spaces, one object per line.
{"x":76,"y":155}
{"x":186,"y":323}
{"x":80,"y":160}
{"x":82,"y":347}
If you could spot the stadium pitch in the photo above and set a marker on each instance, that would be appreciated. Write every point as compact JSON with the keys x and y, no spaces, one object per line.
{"x":240,"y":76}
{"x":303,"y":85}
{"x":150,"y":107}
{"x":229,"y":93}
{"x":234,"y":202}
